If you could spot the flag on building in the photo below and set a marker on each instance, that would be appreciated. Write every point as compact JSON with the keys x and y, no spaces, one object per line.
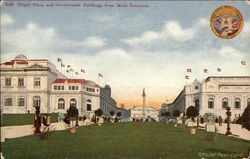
{"x":82,"y":70}
{"x":243,"y":62}
{"x":62,"y":65}
{"x":186,"y":77}
{"x":205,"y":70}
{"x":189,"y":70}
{"x":76,"y":73}
{"x":59,"y":60}
{"x":68,"y":66}
{"x":218,"y":69}
{"x":100,"y":75}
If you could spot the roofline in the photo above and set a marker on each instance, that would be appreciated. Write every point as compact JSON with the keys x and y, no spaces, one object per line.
{"x":227,"y":77}
{"x":177,"y":96}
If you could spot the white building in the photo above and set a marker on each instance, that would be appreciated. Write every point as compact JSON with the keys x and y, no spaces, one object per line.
{"x":214,"y":94}
{"x":107,"y":102}
{"x":137,"y":113}
{"x":26,"y":84}
{"x":83,"y":94}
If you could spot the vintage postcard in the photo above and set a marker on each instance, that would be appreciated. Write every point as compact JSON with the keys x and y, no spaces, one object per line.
{"x":113,"y":79}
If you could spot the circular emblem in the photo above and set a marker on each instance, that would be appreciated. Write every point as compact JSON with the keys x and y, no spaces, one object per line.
{"x":226,"y":22}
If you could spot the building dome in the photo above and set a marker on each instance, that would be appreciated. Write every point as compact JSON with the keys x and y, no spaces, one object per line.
{"x":90,"y":83}
{"x":21,"y":57}
{"x":107,"y":86}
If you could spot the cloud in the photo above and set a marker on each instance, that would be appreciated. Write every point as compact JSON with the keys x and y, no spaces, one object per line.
{"x":6,"y":19}
{"x":172,"y":31}
{"x":115,"y":53}
{"x":93,"y":42}
{"x":228,"y":51}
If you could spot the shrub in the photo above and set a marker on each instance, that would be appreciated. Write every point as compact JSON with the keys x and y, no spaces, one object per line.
{"x":167,"y":114}
{"x":244,"y":120}
{"x":98,"y":112}
{"x":192,"y":112}
{"x":176,"y":113}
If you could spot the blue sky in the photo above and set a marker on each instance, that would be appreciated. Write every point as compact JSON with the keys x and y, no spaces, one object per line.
{"x":132,"y":47}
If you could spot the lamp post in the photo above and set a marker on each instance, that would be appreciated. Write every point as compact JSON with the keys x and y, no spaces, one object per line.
{"x":228,"y":113}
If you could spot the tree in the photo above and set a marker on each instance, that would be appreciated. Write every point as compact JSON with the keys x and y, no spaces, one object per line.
{"x":162,"y":114}
{"x":244,"y":120}
{"x":176,"y":113}
{"x":73,"y":114}
{"x":167,"y":114}
{"x":98,"y":112}
{"x":118,"y":114}
{"x":112,"y":113}
{"x":192,"y":112}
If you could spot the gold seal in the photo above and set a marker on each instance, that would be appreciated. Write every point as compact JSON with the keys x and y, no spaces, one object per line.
{"x":226,"y":22}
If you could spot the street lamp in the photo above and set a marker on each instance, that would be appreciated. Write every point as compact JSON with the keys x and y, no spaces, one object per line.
{"x":228,"y":113}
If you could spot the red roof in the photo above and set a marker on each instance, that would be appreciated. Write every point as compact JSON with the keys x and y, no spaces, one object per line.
{"x":24,"y":62}
{"x":69,"y":81}
{"x":8,"y":63}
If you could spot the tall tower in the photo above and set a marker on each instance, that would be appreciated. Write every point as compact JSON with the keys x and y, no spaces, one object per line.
{"x":143,"y":103}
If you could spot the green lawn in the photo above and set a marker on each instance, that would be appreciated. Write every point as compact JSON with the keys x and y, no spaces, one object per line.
{"x":123,"y":141}
{"x":22,"y":119}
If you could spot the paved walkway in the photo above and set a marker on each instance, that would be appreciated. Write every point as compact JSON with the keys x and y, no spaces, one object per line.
{"x":10,"y":132}
{"x":236,"y":130}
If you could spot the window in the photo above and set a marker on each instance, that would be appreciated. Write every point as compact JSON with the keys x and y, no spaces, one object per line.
{"x":20,"y":82}
{"x":196,"y":87}
{"x":36,"y":101}
{"x":76,"y":87}
{"x":61,"y":103}
{"x":237,"y":103}
{"x":72,"y":102}
{"x":8,"y":101}
{"x":69,"y":87}
{"x":7,"y":81}
{"x":55,"y":87}
{"x":73,"y":87}
{"x":62,"y":87}
{"x":210,"y":103}
{"x":59,"y":87}
{"x":21,"y":102}
{"x":89,"y":105}
{"x":37,"y":82}
{"x":224,"y":103}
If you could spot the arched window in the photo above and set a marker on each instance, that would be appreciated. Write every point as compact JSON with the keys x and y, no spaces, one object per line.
{"x":224,"y":103}
{"x":89,"y":106}
{"x":61,"y":103}
{"x":210,"y":103}
{"x":36,"y":101}
{"x":197,"y":104}
{"x":237,"y":103}
{"x":248,"y":102}
{"x":72,"y":102}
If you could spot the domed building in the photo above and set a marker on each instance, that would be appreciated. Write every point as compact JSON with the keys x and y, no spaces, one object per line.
{"x":26,"y":83}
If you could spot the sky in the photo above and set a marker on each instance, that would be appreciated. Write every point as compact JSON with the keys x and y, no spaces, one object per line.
{"x":133,"y":47}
